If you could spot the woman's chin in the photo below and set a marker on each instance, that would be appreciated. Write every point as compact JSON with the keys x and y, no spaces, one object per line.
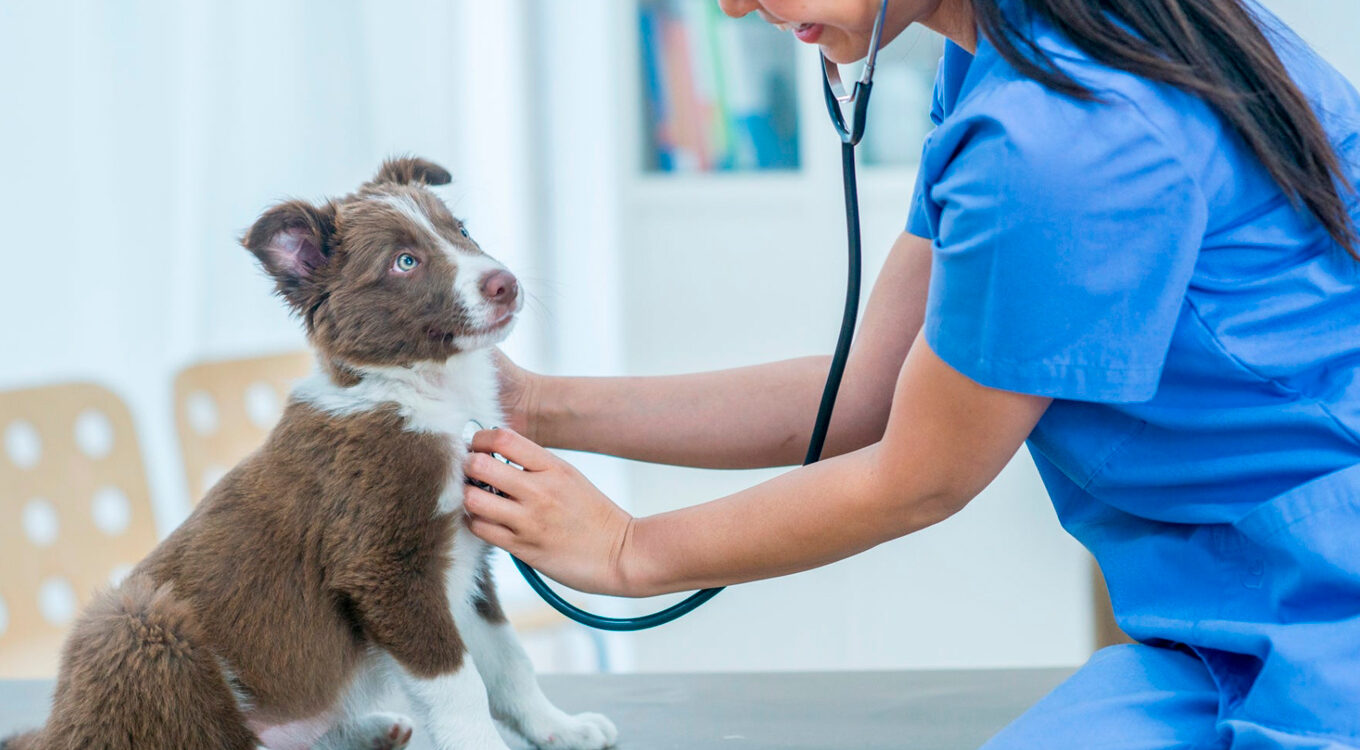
{"x":842,"y":49}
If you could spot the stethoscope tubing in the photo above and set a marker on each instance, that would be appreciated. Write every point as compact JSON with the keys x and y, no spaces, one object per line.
{"x":850,"y":136}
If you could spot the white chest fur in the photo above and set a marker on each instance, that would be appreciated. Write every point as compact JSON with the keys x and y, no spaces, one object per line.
{"x":436,"y":398}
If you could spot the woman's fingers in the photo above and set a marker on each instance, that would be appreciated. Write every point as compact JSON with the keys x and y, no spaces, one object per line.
{"x":492,"y":508}
{"x":489,"y":470}
{"x":492,"y":533}
{"x":515,"y":447}
{"x":553,"y":517}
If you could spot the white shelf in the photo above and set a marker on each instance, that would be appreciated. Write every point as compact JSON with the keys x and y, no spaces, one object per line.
{"x":898,"y":95}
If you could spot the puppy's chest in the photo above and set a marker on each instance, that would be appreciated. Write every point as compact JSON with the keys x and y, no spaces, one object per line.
{"x":438,"y":401}
{"x":451,"y":420}
{"x":445,"y":415}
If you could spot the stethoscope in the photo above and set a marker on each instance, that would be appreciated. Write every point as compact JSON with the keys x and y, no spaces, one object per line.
{"x":836,"y":97}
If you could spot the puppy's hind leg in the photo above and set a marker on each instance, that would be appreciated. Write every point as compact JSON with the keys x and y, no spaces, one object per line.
{"x":25,"y":741}
{"x":375,"y":731}
{"x":137,"y":674}
{"x":362,"y":728}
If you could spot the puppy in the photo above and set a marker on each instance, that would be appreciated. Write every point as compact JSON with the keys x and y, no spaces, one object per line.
{"x":334,"y":561}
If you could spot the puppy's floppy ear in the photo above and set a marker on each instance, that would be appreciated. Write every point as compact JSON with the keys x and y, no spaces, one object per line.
{"x":408,"y":169}
{"x":292,"y":242}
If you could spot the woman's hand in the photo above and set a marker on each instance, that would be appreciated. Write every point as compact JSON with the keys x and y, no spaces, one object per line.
{"x":554,"y":519}
{"x":518,"y":392}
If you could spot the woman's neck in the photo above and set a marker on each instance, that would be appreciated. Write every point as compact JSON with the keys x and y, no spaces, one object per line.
{"x":955,"y":20}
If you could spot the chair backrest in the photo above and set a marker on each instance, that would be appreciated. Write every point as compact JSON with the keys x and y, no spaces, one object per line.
{"x":225,"y":409}
{"x":75,"y":514}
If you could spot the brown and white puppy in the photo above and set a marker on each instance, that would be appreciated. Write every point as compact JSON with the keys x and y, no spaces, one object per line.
{"x":334,"y":560}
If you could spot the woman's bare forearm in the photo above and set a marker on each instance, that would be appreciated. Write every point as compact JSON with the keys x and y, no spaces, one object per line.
{"x":740,"y":418}
{"x":745,"y":417}
{"x":948,"y":437}
{"x":805,"y":518}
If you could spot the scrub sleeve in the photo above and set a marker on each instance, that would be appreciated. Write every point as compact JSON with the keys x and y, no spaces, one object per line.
{"x":1063,"y":248}
{"x":1065,"y":236}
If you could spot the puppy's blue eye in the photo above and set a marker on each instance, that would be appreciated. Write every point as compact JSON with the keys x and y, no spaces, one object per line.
{"x":463,"y":229}
{"x":405,"y":262}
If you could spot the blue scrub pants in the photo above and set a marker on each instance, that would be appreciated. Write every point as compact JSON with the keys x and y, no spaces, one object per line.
{"x":1138,"y":697}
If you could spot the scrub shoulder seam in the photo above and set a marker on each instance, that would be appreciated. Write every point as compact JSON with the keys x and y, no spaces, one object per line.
{"x":1162,"y":140}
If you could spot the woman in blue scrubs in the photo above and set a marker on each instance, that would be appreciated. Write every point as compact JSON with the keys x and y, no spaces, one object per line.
{"x":1132,"y":246}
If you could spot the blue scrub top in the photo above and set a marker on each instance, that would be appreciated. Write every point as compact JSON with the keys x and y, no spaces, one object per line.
{"x":1200,"y":335}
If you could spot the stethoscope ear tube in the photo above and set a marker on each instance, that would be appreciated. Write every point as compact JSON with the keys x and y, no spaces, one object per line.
{"x":849,"y":138}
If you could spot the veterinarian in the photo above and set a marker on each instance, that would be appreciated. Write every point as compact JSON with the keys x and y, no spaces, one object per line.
{"x":1132,"y":246}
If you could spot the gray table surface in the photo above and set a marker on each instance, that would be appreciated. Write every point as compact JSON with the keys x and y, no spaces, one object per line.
{"x":926,"y":710}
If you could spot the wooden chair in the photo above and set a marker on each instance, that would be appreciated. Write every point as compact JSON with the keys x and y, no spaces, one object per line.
{"x":75,"y":515}
{"x":225,"y":409}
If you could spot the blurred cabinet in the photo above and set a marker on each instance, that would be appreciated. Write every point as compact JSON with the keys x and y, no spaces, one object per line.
{"x":721,"y":95}
{"x":716,"y":94}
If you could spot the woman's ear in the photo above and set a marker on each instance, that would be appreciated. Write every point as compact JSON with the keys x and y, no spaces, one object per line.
{"x":292,"y":242}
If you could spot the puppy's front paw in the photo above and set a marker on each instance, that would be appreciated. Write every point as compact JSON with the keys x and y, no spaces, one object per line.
{"x":384,"y":732}
{"x":579,"y":732}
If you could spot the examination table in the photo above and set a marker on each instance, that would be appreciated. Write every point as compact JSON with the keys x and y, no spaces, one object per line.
{"x":925,"y":710}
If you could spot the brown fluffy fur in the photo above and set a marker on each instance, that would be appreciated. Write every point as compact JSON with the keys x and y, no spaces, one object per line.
{"x":316,"y":548}
{"x":135,"y":674}
{"x":321,"y":546}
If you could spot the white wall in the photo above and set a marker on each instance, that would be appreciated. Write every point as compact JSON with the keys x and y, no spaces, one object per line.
{"x":139,"y":138}
{"x":735,"y":270}
{"x":1331,"y":26}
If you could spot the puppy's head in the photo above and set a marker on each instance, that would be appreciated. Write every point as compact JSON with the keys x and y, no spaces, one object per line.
{"x":386,"y":275}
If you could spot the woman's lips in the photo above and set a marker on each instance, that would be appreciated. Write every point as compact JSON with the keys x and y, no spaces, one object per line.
{"x":809,"y":32}
{"x":806,"y":32}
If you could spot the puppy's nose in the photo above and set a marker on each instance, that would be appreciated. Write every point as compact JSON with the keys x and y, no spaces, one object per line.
{"x":500,"y":287}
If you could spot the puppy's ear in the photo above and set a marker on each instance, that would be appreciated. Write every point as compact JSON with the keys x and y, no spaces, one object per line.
{"x":292,"y":242}
{"x":409,"y":169}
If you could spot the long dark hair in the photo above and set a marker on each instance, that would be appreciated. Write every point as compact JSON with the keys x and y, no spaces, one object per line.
{"x":1212,"y":48}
